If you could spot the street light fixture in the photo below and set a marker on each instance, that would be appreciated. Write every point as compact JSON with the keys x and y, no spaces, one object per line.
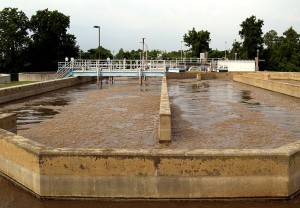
{"x":181,"y":51}
{"x":96,"y":26}
{"x":225,"y":50}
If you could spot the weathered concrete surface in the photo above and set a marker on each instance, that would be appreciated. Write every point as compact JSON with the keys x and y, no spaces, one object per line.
{"x":205,"y":75}
{"x":199,"y":77}
{"x":165,"y":132}
{"x":18,"y":92}
{"x":4,"y":78}
{"x":171,"y":75}
{"x":19,"y":160}
{"x":262,"y":80}
{"x":8,"y":122}
{"x":36,"y":76}
{"x":281,"y":75}
{"x":150,"y":173}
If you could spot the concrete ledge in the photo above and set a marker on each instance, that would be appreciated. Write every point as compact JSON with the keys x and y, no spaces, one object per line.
{"x":18,"y":92}
{"x":156,"y":173}
{"x":8,"y":121}
{"x":277,"y":75}
{"x":164,"y":129}
{"x":262,"y":80}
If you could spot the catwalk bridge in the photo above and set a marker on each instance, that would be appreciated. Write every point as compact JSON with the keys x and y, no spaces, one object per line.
{"x":120,"y":68}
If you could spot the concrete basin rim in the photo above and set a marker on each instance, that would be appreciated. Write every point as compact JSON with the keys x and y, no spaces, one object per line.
{"x":42,"y":149}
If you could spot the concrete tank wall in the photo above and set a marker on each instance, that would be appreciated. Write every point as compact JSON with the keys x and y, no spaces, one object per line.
{"x":4,"y":78}
{"x":36,"y":76}
{"x":8,"y":121}
{"x":159,"y":173}
{"x":262,"y":80}
{"x":18,"y":92}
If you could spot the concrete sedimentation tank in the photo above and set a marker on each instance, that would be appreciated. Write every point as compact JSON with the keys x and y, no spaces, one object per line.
{"x":160,"y":173}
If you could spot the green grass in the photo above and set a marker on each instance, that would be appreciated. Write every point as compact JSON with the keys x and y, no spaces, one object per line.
{"x":15,"y":84}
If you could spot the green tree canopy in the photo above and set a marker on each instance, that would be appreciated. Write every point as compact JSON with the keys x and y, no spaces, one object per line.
{"x":120,"y":54}
{"x":216,"y":54}
{"x":251,"y":34}
{"x":93,"y":53}
{"x":51,"y":42}
{"x":289,"y":51}
{"x":198,"y":41}
{"x":270,"y":38}
{"x":236,"y":50}
{"x":14,"y":39}
{"x":282,"y":53}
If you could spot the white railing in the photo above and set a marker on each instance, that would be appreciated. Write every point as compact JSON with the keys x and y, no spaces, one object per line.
{"x":116,"y":65}
{"x":63,"y":69}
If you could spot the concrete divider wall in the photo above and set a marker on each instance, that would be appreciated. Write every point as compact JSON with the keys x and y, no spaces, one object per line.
{"x":284,"y":88}
{"x":5,"y":78}
{"x":8,"y":121}
{"x":164,"y":129}
{"x":172,"y":75}
{"x":129,"y":173}
{"x":36,"y":76}
{"x":18,"y":92}
{"x":275,"y":75}
{"x":284,"y":75}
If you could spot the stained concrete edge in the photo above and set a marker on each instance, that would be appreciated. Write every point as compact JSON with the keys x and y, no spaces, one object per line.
{"x":214,"y":170}
{"x":17,"y":92}
{"x":260,"y":80}
{"x":165,"y":121}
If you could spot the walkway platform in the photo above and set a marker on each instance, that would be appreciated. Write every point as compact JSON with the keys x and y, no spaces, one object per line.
{"x":111,"y":68}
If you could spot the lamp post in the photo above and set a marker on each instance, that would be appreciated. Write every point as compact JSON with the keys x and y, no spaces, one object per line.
{"x":96,"y":26}
{"x":257,"y":59}
{"x":143,"y":51}
{"x":181,"y":51}
{"x":225,"y":49}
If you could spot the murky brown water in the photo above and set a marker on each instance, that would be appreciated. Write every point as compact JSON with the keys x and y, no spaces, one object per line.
{"x":224,"y":114}
{"x":12,"y":196}
{"x":206,"y":114}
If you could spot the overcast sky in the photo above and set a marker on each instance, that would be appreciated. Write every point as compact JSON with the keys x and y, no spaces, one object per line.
{"x":163,"y":22}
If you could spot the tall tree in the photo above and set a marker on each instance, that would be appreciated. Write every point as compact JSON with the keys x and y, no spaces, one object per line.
{"x":198,"y":41}
{"x":13,"y":39}
{"x":289,"y":51}
{"x":51,"y":42}
{"x":120,"y":54}
{"x":236,"y":50}
{"x":271,"y":52}
{"x":270,"y":39}
{"x":251,"y":34}
{"x":93,"y":53}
